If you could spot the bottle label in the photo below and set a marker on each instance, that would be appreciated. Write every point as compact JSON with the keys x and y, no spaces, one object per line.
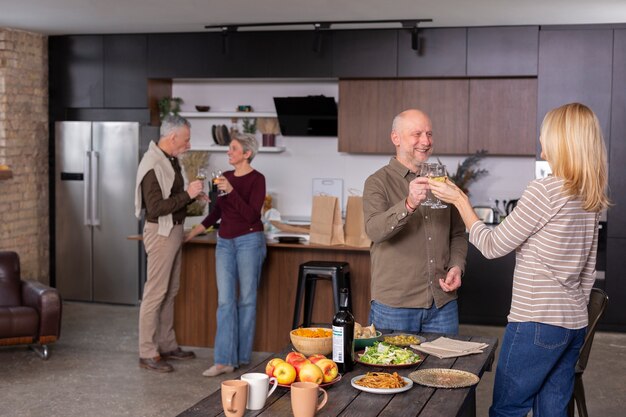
{"x":338,"y":344}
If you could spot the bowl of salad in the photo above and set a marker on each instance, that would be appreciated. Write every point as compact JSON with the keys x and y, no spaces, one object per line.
{"x":385,"y":355}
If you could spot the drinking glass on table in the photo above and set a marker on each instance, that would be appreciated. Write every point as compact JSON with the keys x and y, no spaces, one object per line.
{"x":437,"y":172}
{"x":216,"y":179}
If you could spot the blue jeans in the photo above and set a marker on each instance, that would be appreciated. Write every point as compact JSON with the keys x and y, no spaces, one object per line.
{"x":238,"y":263}
{"x":536,"y":369}
{"x":416,"y":320}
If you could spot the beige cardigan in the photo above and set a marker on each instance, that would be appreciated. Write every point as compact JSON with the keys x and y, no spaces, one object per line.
{"x":155,"y":159}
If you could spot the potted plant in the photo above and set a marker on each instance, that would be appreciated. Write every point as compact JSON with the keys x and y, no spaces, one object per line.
{"x":169,"y":105}
{"x":269,"y":129}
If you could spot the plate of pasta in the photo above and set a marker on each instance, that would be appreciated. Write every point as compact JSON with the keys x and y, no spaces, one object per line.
{"x":381,"y":383}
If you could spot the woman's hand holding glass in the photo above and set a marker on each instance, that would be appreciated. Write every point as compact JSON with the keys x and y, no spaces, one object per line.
{"x":446,"y":191}
{"x":220,"y":183}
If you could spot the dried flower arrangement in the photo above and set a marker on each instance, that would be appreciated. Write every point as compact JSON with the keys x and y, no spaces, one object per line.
{"x":467,"y":172}
{"x":268,"y":125}
{"x":191,"y":162}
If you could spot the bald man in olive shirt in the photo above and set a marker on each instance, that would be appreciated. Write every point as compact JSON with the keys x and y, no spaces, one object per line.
{"x":417,"y":253}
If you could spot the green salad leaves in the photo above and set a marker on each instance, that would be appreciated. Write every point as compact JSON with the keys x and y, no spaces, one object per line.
{"x":381,"y":353}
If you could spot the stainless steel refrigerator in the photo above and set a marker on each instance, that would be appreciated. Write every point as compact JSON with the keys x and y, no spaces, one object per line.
{"x":95,"y":168}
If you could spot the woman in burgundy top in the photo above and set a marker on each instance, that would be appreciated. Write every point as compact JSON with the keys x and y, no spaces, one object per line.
{"x":239,"y":255}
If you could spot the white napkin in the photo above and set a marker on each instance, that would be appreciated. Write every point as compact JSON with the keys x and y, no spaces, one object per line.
{"x":444,"y":347}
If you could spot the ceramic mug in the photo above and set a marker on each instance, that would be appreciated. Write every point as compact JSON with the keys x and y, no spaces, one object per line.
{"x":259,"y":389}
{"x":304,"y":399}
{"x":234,"y":397}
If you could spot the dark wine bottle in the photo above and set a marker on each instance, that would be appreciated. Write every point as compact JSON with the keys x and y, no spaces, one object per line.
{"x":343,"y":335}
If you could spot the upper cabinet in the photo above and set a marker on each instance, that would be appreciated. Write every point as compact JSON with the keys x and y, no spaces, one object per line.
{"x":125,"y":73}
{"x":365,"y":53}
{"x":503,"y":115}
{"x":76,"y":73}
{"x":182,"y":55}
{"x":502,"y":51}
{"x":301,"y":54}
{"x":617,"y":142}
{"x":442,"y":53}
{"x":575,"y":66}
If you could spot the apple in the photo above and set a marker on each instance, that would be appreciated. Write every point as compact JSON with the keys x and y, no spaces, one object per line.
{"x":285,"y":373}
{"x":310,"y":372}
{"x":298,"y":364}
{"x":271,"y":365}
{"x":329,"y":369}
{"x":294,"y":356}
{"x":316,"y":357}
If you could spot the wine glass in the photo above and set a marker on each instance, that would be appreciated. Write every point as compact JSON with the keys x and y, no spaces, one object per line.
{"x":215,"y":179}
{"x":424,"y":172}
{"x":201,"y":176}
{"x":437,"y":172}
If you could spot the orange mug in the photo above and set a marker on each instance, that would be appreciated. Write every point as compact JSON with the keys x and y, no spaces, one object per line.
{"x":304,"y":399}
{"x":234,"y":397}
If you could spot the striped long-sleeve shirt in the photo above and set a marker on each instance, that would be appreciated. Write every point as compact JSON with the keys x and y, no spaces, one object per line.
{"x":556,"y":244}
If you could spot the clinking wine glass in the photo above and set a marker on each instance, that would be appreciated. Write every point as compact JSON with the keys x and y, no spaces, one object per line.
{"x":215,"y":179}
{"x":201,"y":176}
{"x":437,"y":172}
{"x":424,"y":172}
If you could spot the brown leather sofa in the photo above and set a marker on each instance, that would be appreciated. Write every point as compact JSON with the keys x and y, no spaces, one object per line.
{"x":30,"y":312}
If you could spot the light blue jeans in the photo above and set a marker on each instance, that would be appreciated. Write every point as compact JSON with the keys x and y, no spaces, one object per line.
{"x":416,"y":320}
{"x":536,"y":369}
{"x":238,"y":264}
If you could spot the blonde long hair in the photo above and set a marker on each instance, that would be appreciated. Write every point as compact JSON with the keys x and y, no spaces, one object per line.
{"x":572,"y":144}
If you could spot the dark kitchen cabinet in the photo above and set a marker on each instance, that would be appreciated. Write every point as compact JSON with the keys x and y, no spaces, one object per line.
{"x":242,"y":54}
{"x":365,"y":53}
{"x":75,"y":73}
{"x":502,"y":51}
{"x":442,"y":53}
{"x":615,"y":285}
{"x":300,"y":54}
{"x":503,"y":115}
{"x":182,"y":55}
{"x":125,"y":74}
{"x":485,"y":296}
{"x":617,"y":142}
{"x":575,"y":66}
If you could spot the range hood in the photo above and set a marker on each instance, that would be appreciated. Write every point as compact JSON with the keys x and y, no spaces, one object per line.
{"x":307,"y":116}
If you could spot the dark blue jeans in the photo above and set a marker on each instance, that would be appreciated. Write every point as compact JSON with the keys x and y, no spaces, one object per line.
{"x":536,"y":369}
{"x":416,"y":320}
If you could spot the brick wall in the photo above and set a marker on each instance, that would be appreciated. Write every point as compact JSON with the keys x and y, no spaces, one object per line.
{"x":24,"y":148}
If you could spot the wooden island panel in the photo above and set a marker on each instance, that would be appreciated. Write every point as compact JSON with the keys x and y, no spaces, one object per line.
{"x":196,"y":302}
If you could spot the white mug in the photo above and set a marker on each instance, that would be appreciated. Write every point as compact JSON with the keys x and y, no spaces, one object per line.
{"x":258,"y":389}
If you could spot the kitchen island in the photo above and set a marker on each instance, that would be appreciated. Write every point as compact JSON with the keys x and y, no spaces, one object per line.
{"x":196,"y":303}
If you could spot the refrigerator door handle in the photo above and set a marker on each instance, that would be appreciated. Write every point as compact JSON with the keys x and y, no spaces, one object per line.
{"x":86,"y":186}
{"x":95,"y":158}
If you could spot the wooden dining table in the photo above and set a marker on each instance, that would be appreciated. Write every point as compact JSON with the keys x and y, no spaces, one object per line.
{"x":345,"y":400}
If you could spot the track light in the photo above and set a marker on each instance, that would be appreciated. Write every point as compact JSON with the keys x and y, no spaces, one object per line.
{"x":317,"y":42}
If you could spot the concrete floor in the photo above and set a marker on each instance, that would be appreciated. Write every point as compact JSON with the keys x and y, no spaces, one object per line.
{"x":93,"y":372}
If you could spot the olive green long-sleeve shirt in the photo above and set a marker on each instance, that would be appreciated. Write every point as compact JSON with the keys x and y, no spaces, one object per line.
{"x":410,"y":251}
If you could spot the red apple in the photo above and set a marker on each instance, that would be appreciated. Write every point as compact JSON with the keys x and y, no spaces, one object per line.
{"x":329,"y":369}
{"x":271,"y":365}
{"x":316,"y":357}
{"x":285,"y":373}
{"x":310,"y":372}
{"x":294,"y":356}
{"x":298,"y":364}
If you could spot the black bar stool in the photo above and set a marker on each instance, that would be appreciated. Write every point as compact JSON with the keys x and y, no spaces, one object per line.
{"x":309,"y":272}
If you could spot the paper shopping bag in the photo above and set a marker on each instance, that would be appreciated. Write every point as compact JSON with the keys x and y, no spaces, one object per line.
{"x":326,"y":223}
{"x":355,"y":223}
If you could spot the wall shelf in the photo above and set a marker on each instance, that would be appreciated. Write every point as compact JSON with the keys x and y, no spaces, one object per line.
{"x":216,"y":148}
{"x":226,"y":114}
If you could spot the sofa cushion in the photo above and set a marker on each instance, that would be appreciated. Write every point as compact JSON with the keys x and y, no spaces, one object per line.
{"x":18,"y":322}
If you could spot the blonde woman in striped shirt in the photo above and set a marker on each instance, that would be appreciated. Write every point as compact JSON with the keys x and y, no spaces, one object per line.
{"x":554,"y":232}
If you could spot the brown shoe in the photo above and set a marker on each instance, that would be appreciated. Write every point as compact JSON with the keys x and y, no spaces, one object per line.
{"x":178,"y":354}
{"x":157,"y":364}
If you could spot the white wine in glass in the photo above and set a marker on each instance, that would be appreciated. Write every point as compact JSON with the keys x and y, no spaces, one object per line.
{"x":437,"y":172}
